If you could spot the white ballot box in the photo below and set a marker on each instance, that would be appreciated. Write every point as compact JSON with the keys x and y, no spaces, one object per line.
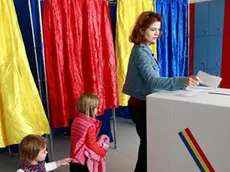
{"x":188,"y":132}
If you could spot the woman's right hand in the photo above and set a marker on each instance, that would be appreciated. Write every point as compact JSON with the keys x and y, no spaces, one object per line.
{"x":192,"y":81}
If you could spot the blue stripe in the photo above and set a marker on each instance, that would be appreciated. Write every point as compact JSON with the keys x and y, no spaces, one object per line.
{"x":191,"y":152}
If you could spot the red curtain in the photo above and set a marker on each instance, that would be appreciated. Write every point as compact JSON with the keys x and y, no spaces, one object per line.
{"x":79,"y":54}
{"x":225,"y":83}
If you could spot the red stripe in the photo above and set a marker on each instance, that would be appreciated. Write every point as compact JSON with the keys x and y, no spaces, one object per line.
{"x":226,"y":53}
{"x":199,"y":150}
{"x":191,"y":37}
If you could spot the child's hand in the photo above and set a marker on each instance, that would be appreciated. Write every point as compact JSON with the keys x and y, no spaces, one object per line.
{"x":105,"y":146}
{"x":65,"y":161}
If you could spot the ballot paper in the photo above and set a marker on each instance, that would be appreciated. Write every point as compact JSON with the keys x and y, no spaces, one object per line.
{"x":209,"y":80}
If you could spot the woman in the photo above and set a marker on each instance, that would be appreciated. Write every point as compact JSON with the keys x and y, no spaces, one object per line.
{"x":143,"y":77}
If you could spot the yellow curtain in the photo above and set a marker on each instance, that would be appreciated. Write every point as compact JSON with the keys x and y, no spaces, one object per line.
{"x":21,"y":110}
{"x":127,"y":13}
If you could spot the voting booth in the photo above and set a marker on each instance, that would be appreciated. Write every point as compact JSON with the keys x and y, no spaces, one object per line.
{"x":188,"y":131}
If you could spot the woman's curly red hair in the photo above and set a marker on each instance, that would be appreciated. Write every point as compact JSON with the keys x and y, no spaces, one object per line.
{"x":143,"y":22}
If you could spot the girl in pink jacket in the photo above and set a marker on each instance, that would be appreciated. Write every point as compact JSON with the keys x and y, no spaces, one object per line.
{"x":87,"y":153}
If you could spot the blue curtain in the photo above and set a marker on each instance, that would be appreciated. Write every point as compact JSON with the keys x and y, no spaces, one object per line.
{"x":22,"y":10}
{"x":113,"y":15}
{"x":172,"y":47}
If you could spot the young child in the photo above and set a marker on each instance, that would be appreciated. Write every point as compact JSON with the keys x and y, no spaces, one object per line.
{"x":32,"y":152}
{"x":87,"y":152}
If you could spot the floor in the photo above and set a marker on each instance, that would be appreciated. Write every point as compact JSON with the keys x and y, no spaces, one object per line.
{"x":122,"y":159}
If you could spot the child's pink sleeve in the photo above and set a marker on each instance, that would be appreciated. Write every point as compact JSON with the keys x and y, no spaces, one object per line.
{"x":91,"y":142}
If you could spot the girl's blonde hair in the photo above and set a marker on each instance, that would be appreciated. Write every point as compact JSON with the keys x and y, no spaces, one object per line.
{"x":30,"y":146}
{"x":87,"y":104}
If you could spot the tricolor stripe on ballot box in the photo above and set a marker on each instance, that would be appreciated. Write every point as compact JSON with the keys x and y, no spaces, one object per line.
{"x":195,"y":151}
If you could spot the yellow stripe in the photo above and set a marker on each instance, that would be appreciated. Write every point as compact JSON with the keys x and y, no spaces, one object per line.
{"x":126,"y":18}
{"x":195,"y":151}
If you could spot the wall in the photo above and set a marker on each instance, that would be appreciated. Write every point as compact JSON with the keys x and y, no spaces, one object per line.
{"x":207,"y":21}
